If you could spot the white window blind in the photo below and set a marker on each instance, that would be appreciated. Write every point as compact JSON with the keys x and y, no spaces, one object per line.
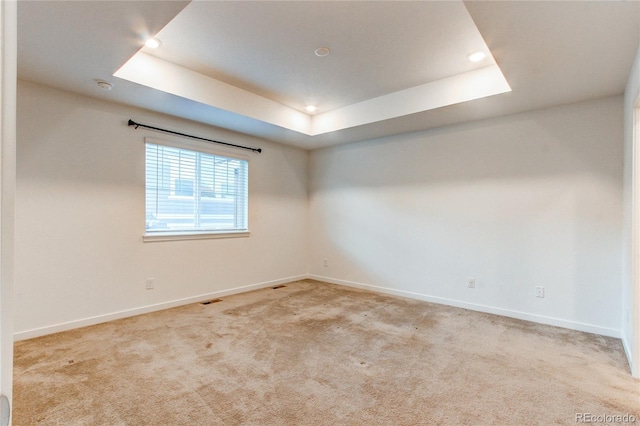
{"x":191,"y":192}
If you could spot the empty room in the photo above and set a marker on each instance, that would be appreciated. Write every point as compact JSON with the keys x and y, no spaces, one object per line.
{"x":319,"y":212}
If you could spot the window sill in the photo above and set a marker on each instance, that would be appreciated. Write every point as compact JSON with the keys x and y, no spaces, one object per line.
{"x":176,"y":236}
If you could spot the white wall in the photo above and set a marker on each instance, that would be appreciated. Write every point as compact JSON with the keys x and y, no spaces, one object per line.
{"x":80,"y":257}
{"x":8,"y":69}
{"x":631,"y":264}
{"x":533,"y":199}
{"x":528,"y":200}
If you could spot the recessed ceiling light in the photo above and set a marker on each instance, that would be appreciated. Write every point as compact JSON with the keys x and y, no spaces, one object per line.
{"x":311,"y":108}
{"x":476,"y":56}
{"x":152,"y":43}
{"x":104,"y":85}
{"x":322,"y":51}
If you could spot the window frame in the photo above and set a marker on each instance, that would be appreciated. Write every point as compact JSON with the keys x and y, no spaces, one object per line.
{"x":205,"y":148}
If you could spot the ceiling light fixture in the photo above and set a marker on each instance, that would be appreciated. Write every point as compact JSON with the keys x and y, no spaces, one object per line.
{"x":104,"y":85}
{"x":476,"y":56}
{"x":311,"y":108}
{"x":152,"y":43}
{"x":322,"y":51}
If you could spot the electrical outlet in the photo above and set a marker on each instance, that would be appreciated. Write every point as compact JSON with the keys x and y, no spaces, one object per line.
{"x":540,"y":292}
{"x":326,"y":263}
{"x":150,"y":283}
{"x":471,"y":282}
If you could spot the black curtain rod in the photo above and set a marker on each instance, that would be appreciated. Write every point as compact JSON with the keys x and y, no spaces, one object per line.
{"x":133,"y":123}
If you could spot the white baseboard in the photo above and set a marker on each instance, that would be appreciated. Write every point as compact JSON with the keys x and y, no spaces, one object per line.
{"x":627,"y":351}
{"x":572,"y":325}
{"x":56,"y":328}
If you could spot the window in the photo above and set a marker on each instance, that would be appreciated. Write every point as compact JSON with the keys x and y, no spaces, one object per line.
{"x":194,"y":193}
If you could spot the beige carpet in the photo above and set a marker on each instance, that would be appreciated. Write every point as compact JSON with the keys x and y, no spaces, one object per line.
{"x":317,"y":354}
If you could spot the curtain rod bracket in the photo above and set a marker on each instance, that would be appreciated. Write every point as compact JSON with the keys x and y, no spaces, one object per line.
{"x":136,"y":125}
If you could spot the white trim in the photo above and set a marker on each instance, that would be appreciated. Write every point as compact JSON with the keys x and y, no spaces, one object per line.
{"x":8,"y":97}
{"x":194,"y":235}
{"x":572,"y":325}
{"x":627,"y":349}
{"x":633,"y":354}
{"x":558,"y":322}
{"x":70,"y":325}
